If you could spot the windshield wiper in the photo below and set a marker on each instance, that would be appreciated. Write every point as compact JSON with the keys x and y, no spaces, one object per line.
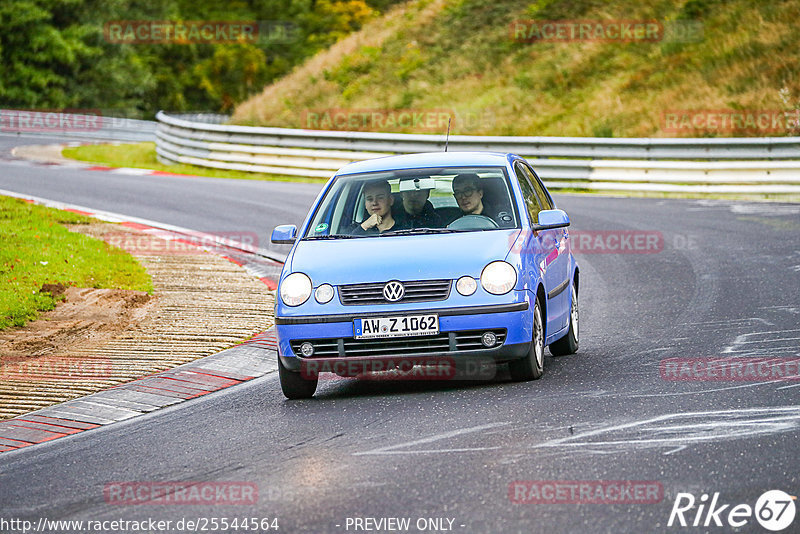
{"x":410,"y":231}
{"x":332,"y":236}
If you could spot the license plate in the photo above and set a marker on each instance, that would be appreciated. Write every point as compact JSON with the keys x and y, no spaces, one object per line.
{"x":409,"y":325}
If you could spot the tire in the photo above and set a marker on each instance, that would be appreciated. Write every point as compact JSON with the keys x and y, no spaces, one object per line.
{"x":531,"y":367}
{"x":293,"y":384}
{"x":569,"y":343}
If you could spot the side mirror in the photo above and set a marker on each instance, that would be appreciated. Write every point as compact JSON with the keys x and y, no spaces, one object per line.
{"x":285,"y":234}
{"x":550,"y":219}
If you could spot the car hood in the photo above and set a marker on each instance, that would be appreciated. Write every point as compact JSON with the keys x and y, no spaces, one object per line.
{"x":376,"y":259}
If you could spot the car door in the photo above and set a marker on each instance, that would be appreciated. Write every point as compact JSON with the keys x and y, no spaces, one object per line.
{"x":554,"y":263}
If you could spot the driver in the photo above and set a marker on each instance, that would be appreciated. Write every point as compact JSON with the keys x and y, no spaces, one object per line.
{"x":468,"y":192}
{"x":417,"y":211}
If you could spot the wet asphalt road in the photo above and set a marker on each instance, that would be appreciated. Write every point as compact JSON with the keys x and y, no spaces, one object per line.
{"x":725,"y":283}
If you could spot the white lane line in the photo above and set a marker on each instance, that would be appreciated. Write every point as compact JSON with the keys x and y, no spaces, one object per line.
{"x":713,"y":425}
{"x":682,"y":393}
{"x":446,"y":435}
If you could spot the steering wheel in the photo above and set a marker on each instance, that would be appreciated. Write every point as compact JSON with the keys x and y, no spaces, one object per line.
{"x":473,"y":222}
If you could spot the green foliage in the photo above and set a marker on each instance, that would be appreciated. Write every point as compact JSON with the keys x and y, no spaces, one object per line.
{"x":233,"y":73}
{"x":462,"y":55}
{"x":54,"y":53}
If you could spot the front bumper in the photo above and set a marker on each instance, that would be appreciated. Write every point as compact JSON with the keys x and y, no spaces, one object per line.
{"x":459,"y":338}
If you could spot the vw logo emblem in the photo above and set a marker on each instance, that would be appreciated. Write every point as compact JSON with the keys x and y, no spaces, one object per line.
{"x":393,"y":291}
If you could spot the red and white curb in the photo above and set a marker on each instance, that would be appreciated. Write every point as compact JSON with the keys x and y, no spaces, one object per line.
{"x":253,"y":358}
{"x":82,"y":165}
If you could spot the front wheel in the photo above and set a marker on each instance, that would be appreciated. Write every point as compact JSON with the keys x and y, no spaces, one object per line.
{"x":294,"y":385}
{"x":569,"y":343}
{"x":531,"y":367}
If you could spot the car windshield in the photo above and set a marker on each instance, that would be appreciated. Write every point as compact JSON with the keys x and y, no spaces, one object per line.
{"x":415,"y":201}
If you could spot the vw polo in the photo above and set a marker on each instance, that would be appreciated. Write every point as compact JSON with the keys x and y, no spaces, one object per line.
{"x":417,"y":258}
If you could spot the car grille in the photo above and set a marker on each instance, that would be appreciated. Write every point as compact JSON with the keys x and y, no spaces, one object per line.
{"x":401,"y":346}
{"x":415,"y":291}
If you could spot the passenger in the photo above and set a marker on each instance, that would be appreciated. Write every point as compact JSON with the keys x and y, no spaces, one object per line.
{"x":417,"y":210}
{"x":378,"y":201}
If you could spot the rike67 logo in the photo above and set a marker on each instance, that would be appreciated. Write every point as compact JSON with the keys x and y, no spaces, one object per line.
{"x":774,"y":510}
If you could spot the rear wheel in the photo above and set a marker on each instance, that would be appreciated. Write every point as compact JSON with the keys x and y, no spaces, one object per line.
{"x":531,"y":367}
{"x":569,"y":343}
{"x":294,"y":385}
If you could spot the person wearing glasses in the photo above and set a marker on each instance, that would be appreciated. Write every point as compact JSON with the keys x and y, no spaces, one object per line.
{"x":468,"y":192}
{"x":378,"y":202}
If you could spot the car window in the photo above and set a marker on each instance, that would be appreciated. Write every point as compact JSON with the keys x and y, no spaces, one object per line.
{"x":430,"y":202}
{"x":531,"y":200}
{"x":544,"y":198}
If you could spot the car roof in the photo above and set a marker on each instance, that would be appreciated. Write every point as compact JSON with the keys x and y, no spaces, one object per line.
{"x":427,"y":160}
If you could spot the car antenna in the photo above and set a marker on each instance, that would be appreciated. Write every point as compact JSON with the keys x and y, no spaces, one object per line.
{"x":447,"y":139}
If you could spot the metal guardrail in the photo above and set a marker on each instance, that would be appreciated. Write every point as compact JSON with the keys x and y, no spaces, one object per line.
{"x":729,"y":165}
{"x":93,"y":127}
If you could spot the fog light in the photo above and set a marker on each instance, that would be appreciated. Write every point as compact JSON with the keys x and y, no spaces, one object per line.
{"x":324,"y":293}
{"x":466,"y":285}
{"x":307,"y":349}
{"x":488,"y":339}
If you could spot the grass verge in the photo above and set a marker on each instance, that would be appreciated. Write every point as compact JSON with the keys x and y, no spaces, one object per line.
{"x":143,"y":156}
{"x":469,"y":59}
{"x":37,"y":249}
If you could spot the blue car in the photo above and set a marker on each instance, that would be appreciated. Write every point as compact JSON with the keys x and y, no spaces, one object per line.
{"x":411,"y":261}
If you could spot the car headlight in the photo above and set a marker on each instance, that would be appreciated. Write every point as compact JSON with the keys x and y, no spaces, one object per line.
{"x":295,"y":289}
{"x":324,"y":293}
{"x":466,"y":285}
{"x":498,"y":278}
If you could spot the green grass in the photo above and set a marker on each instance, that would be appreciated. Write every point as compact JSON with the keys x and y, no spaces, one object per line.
{"x":143,"y":156}
{"x":37,"y":249}
{"x":459,"y":55}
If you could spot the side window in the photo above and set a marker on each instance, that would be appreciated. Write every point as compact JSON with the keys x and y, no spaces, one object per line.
{"x":531,"y":201}
{"x":544,"y":198}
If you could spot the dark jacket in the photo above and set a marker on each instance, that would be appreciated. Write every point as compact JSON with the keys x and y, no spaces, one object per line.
{"x":427,"y":219}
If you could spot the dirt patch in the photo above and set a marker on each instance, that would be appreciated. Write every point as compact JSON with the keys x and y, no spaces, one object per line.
{"x":44,"y":153}
{"x":99,"y":338}
{"x":86,"y":316}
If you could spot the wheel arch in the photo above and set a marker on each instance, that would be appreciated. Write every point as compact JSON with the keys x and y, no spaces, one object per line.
{"x":541,"y":296}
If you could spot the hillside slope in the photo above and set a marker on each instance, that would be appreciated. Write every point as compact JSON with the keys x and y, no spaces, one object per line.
{"x":719,"y":66}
